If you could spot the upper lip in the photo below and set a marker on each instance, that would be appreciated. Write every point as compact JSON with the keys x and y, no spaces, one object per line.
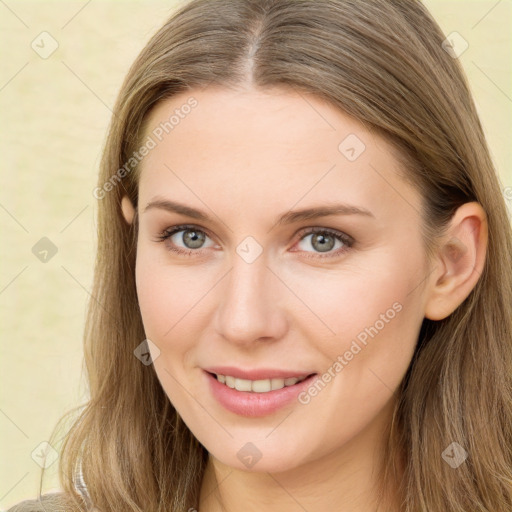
{"x":257,"y":373}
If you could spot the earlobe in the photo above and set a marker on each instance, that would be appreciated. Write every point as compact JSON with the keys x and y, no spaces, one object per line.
{"x":127,"y":209}
{"x":460,"y":261}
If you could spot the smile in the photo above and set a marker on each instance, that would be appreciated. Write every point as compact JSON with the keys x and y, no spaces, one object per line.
{"x":257,"y":386}
{"x":258,"y":396}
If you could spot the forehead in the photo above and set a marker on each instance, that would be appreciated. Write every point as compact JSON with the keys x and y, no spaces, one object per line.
{"x":251,"y":120}
{"x":261,"y":150}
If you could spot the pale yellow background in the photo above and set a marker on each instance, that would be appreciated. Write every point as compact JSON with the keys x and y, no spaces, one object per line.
{"x":54,"y":115}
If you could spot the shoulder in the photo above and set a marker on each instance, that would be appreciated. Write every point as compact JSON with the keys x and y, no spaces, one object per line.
{"x":27,"y":506}
{"x":54,"y":502}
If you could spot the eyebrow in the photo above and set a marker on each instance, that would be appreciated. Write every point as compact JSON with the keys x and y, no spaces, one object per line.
{"x":287,"y":218}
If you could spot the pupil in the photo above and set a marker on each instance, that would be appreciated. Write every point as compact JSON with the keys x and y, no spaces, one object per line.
{"x":193,"y":239}
{"x":326,"y":242}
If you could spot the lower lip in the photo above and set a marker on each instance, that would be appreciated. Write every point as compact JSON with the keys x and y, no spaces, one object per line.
{"x":250,"y":404}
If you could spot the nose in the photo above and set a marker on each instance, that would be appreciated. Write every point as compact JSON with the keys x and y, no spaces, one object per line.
{"x":250,"y":307}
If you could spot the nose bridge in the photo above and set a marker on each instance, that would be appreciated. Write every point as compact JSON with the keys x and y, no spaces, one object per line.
{"x":248,"y":308}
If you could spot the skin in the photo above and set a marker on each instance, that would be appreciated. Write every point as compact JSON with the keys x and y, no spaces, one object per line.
{"x":244,"y":157}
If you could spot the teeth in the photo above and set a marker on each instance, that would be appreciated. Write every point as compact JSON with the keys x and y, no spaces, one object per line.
{"x":243,"y":385}
{"x":257,"y":386}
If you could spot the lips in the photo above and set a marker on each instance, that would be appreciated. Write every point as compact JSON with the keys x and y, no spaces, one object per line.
{"x":266,"y":392}
{"x":258,"y":373}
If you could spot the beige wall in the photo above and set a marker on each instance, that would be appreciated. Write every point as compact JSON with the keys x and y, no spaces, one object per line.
{"x":54,"y":116}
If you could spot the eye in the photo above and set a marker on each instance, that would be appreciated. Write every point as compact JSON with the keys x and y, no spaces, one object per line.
{"x":192,"y":239}
{"x":324,"y":240}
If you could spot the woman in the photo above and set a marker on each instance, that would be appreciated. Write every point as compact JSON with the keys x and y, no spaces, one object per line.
{"x":303,"y":293}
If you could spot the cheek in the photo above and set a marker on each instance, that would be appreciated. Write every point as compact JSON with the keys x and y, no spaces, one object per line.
{"x":164,"y":295}
{"x":151,"y":296}
{"x":383,"y":322}
{"x":366,"y":324}
{"x":161,"y":291}
{"x":376,"y":320}
{"x":340,"y":304}
{"x":172,"y":300}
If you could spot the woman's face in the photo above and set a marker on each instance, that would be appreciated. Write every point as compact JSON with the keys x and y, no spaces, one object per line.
{"x":245,"y":289}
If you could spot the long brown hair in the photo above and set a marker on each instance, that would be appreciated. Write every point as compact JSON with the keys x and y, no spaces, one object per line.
{"x":383,"y":63}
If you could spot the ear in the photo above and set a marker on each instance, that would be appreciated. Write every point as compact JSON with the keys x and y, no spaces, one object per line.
{"x":459,"y":261}
{"x":127,"y":209}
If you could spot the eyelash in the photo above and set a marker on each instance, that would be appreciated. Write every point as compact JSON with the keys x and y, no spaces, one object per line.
{"x":342,"y":237}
